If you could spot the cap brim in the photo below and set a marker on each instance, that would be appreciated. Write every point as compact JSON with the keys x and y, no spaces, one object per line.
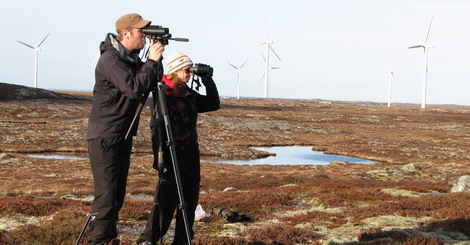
{"x":142,"y":24}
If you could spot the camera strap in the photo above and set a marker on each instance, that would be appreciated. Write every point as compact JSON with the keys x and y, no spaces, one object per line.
{"x":196,"y":79}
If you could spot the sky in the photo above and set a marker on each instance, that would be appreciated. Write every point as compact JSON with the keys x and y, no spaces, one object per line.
{"x":329,"y":49}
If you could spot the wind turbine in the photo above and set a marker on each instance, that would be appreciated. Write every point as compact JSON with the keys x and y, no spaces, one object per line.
{"x":36,"y":56}
{"x":239,"y":70}
{"x":270,"y":68}
{"x":425,"y":47}
{"x":269,"y":47}
{"x":390,"y":78}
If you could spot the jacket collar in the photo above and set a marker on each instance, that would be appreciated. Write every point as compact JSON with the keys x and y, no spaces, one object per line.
{"x":133,"y":57}
{"x":180,"y":91}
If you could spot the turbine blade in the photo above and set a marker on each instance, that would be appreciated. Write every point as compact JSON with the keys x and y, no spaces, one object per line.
{"x":96,"y":59}
{"x":42,"y":40}
{"x":429,"y":29}
{"x":102,"y":27}
{"x":259,"y":44}
{"x":275,"y":68}
{"x":27,"y":45}
{"x":274,"y":52}
{"x":269,"y":26}
{"x":243,"y":64}
{"x":264,"y":58}
{"x":233,"y":66}
{"x":417,"y":46}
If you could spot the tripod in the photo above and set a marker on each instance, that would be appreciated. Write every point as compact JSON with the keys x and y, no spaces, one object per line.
{"x":163,"y":112}
{"x":90,"y":217}
{"x":160,"y":111}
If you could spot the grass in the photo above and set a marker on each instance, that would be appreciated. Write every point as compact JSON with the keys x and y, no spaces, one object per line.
{"x":287,"y":204}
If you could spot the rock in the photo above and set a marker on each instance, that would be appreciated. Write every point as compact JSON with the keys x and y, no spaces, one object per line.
{"x":462,"y":184}
{"x":4,"y":156}
{"x":339,"y":163}
{"x":230,"y":189}
{"x":403,"y":193}
{"x":411,"y":167}
{"x":288,"y":185}
{"x":52,"y":175}
{"x":67,"y":196}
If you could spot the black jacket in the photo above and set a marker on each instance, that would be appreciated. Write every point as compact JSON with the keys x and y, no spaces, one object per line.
{"x":183,"y":113}
{"x":121,"y":81}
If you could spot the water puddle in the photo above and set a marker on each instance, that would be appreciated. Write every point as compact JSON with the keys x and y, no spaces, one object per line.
{"x":285,"y":155}
{"x":51,"y":156}
{"x":292,"y":155}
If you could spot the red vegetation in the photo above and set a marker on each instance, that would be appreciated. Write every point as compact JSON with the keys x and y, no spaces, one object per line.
{"x":288,"y":203}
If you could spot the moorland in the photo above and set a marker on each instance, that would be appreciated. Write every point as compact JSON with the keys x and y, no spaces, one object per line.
{"x":404,"y":197}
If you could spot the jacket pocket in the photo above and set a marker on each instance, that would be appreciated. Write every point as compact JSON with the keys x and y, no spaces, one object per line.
{"x":114,"y":97}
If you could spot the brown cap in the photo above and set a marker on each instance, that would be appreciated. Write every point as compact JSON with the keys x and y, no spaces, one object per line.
{"x":129,"y":21}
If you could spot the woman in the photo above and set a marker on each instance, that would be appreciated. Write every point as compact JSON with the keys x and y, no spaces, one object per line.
{"x":183,"y":105}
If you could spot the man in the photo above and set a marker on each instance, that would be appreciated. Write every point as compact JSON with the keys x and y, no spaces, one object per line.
{"x":121,"y":80}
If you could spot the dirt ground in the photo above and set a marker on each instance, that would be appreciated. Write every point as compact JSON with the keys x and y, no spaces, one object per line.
{"x":403,"y":198}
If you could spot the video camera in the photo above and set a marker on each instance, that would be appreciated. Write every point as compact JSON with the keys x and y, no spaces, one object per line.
{"x":161,"y":34}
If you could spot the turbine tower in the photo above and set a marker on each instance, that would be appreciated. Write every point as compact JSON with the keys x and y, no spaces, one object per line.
{"x":268,"y":47}
{"x":270,"y":68}
{"x":36,"y":56}
{"x":239,"y":70}
{"x":390,"y":78}
{"x":425,"y":47}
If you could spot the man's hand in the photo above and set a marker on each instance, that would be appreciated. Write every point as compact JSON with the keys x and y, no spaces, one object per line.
{"x":156,"y":50}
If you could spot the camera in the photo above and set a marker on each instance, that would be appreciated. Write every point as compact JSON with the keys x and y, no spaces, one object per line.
{"x":161,"y":34}
{"x":201,"y":70}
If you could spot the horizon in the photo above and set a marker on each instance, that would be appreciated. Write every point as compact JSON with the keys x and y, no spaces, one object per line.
{"x":246,"y":97}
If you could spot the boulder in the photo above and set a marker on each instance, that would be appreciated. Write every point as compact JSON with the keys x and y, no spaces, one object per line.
{"x":462,"y":184}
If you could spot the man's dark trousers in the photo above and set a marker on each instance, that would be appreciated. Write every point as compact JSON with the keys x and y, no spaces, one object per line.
{"x":110,"y":161}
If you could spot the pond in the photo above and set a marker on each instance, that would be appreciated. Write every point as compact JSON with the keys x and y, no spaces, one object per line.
{"x":285,"y":155}
{"x":292,"y":155}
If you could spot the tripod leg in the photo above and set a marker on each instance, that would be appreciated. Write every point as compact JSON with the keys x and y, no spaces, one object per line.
{"x":171,"y":146}
{"x":90,"y":217}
